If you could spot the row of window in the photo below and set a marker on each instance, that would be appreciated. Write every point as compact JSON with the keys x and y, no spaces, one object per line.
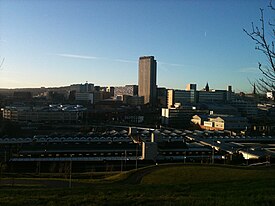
{"x":95,"y":154}
{"x":186,"y":153}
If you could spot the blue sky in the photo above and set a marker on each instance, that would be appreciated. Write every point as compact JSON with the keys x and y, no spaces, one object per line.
{"x":57,"y":43}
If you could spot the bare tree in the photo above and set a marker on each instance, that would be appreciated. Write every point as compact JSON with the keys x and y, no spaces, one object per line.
{"x":1,"y":63}
{"x":264,"y":36}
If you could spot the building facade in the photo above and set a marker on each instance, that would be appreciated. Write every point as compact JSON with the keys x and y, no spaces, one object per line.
{"x":176,"y":117}
{"x":147,"y":86}
{"x":87,"y":97}
{"x":51,"y":114}
{"x":191,"y":95}
{"x":221,"y":122}
{"x":87,"y":87}
{"x":130,"y":90}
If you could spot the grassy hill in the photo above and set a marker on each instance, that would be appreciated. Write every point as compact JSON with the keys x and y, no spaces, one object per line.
{"x":161,"y":185}
{"x":206,"y":174}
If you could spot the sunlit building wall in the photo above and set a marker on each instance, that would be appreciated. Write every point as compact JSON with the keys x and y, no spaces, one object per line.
{"x":147,"y":86}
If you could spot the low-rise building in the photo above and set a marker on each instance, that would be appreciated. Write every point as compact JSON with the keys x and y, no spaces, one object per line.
{"x":177,"y":117}
{"x":87,"y":87}
{"x":86,"y":97}
{"x":199,"y":119}
{"x":133,"y":100}
{"x":270,"y":95}
{"x":52,"y":114}
{"x":221,"y":122}
{"x":130,"y":90}
{"x":191,"y":95}
{"x":246,"y":108}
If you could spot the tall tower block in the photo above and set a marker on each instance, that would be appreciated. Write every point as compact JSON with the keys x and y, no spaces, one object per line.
{"x":147,"y":76}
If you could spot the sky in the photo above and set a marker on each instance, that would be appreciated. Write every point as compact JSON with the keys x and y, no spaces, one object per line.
{"x":47,"y":43}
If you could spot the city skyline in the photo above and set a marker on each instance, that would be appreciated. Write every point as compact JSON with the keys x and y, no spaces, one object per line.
{"x":57,"y":43}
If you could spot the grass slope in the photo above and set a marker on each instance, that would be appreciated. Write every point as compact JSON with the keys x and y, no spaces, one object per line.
{"x":165,"y":185}
{"x":206,"y":174}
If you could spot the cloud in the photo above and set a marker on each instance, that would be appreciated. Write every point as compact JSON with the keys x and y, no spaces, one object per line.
{"x":77,"y":56}
{"x":249,"y":70}
{"x":171,"y":64}
{"x":3,"y":40}
{"x":124,"y":61}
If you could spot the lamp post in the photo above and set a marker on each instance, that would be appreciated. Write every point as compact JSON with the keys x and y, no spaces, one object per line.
{"x":184,"y":158}
{"x":70,"y":181}
{"x":136,"y":156}
{"x":121,"y":163}
{"x":0,"y":172}
{"x":125,"y":159}
{"x":213,"y":152}
{"x":247,"y":156}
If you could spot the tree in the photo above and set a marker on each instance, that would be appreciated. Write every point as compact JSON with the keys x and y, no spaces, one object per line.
{"x":264,"y":36}
{"x":1,"y":63}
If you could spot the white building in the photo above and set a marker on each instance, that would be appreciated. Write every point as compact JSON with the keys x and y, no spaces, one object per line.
{"x":221,"y":122}
{"x":270,"y":95}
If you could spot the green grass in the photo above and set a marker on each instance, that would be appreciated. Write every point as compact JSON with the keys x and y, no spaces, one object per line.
{"x":206,"y":174}
{"x":167,"y":185}
{"x":85,"y":175}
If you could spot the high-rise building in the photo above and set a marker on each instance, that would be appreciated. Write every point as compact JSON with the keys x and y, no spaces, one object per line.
{"x":147,"y":86}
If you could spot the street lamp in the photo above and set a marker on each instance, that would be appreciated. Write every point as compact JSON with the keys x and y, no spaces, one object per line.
{"x":184,"y":158}
{"x":136,"y":156}
{"x":213,"y":152}
{"x":125,"y":159}
{"x":70,"y":181}
{"x":247,"y":156}
{"x":121,"y":163}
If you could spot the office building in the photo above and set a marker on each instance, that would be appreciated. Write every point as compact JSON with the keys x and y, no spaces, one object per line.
{"x":129,"y":90}
{"x":191,"y":87}
{"x":162,"y":96}
{"x":177,"y":117}
{"x":147,"y":79}
{"x":111,"y":90}
{"x":84,"y":97}
{"x":87,"y":87}
{"x":246,"y":108}
{"x":133,"y":100}
{"x":181,"y":96}
{"x":58,"y":114}
{"x":212,"y":96}
{"x":191,"y":95}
